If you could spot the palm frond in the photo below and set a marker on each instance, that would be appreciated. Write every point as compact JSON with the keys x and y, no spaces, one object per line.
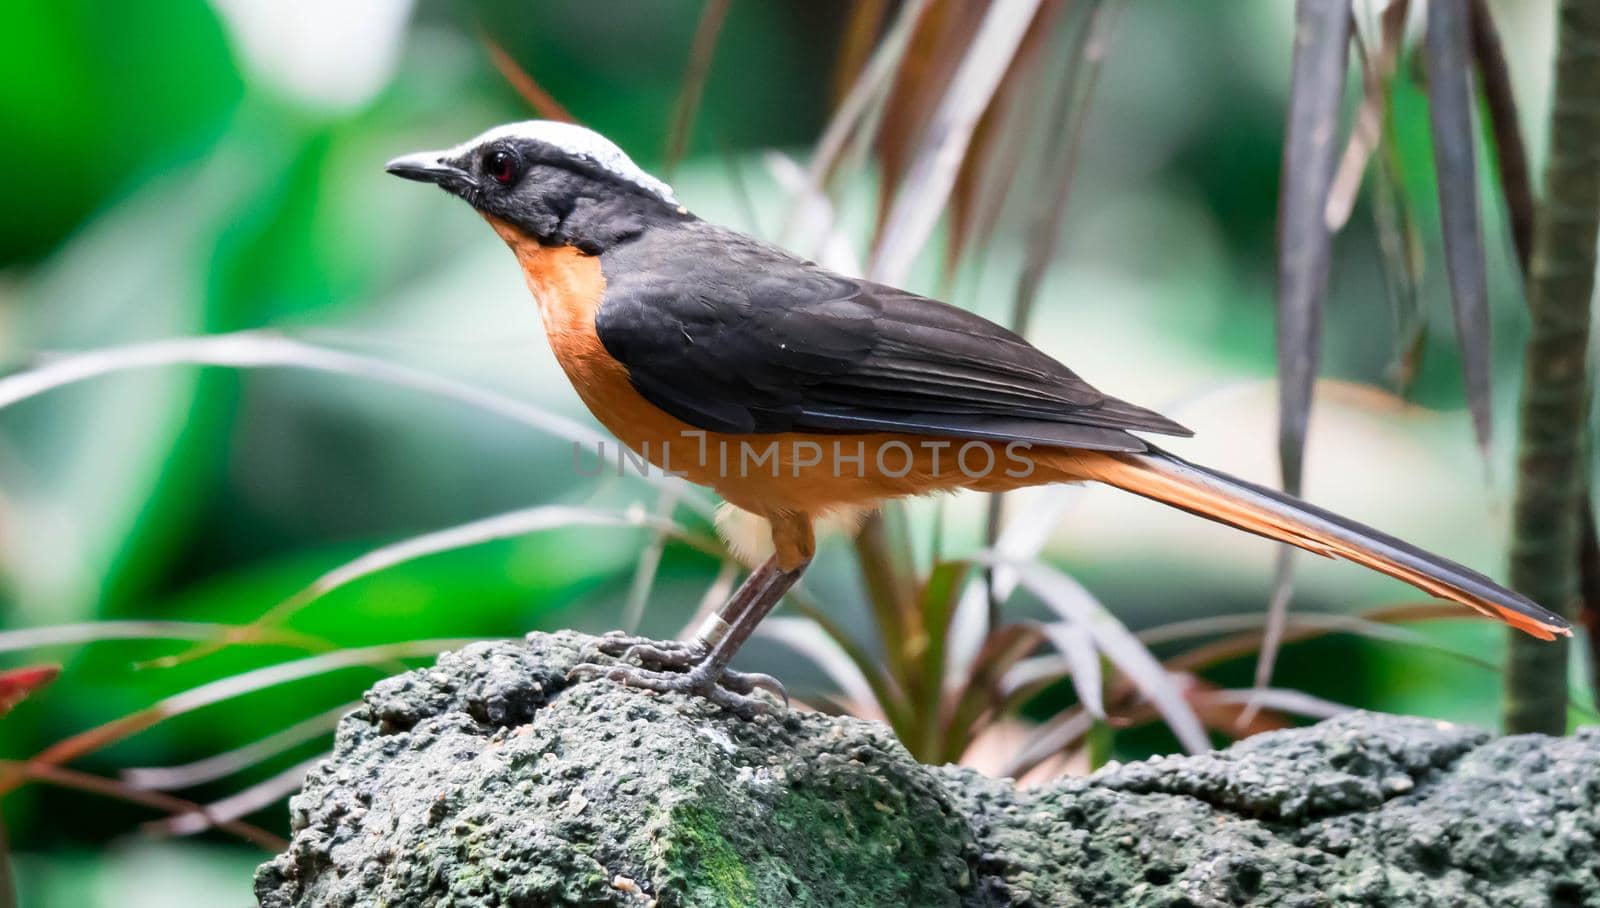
{"x":133,"y":629}
{"x":1450,"y":95}
{"x":220,"y":690}
{"x":1067,"y":598}
{"x":868,"y":91}
{"x":226,"y":763}
{"x":932,"y":170}
{"x":1321,"y":51}
{"x":824,"y":650}
{"x":501,"y":526}
{"x":1510,"y":154}
{"x":62,"y":777}
{"x":239,"y":804}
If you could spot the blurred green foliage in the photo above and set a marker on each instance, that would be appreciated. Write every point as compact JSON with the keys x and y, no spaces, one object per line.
{"x":96,"y":104}
{"x":161,"y":180}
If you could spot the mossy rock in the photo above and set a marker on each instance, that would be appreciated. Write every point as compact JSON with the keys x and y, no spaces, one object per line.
{"x":489,"y":780}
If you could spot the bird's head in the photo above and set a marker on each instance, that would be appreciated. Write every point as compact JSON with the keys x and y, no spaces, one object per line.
{"x":557,"y":182}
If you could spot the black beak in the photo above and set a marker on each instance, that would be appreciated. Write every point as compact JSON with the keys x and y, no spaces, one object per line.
{"x":428,"y":167}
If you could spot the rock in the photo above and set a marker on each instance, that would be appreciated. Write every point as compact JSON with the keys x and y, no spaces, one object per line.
{"x":489,"y":780}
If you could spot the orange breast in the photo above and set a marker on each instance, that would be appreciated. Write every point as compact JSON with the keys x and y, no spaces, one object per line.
{"x":780,"y":472}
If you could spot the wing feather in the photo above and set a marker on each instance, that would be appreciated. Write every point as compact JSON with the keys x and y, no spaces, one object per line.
{"x":733,"y":335}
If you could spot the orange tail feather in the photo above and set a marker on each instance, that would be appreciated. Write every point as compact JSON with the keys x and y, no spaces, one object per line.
{"x":1217,"y":496}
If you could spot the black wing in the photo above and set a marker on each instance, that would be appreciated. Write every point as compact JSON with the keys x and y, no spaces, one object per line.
{"x":732,"y":335}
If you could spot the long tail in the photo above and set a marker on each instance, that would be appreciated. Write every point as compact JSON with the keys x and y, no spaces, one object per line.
{"x":1217,"y":496}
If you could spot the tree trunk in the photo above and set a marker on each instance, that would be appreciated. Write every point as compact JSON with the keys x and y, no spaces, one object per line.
{"x":1551,"y":457}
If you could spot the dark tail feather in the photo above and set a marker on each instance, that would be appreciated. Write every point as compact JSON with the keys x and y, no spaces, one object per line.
{"x":1217,"y":496}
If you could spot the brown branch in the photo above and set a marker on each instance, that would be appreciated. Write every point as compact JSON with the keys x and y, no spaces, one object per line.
{"x":540,"y":100}
{"x":111,"y":788}
{"x":694,"y":79}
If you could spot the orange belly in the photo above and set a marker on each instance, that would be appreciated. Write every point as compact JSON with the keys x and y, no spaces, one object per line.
{"x":807,"y":473}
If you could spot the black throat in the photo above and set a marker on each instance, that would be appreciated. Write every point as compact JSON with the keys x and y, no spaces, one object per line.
{"x":593,"y":214}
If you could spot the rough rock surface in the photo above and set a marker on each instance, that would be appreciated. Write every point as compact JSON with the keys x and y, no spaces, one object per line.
{"x":488,"y":780}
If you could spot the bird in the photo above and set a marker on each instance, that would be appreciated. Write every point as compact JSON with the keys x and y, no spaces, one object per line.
{"x":796,"y":392}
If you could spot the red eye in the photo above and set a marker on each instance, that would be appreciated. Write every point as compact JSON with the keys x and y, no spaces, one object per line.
{"x":501,"y":166}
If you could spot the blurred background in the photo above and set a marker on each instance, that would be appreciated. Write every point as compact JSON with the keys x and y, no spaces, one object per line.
{"x":177,"y":168}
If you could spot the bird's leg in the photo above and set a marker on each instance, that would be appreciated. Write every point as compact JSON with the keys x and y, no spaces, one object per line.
{"x":710,"y":677}
{"x":706,"y":673}
{"x":713,"y":669}
{"x":682,"y":655}
{"x":700,"y":666}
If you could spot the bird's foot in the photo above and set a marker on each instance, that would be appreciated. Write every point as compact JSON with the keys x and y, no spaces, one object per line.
{"x":661,"y":655}
{"x":672,"y":666}
{"x":731,"y":690}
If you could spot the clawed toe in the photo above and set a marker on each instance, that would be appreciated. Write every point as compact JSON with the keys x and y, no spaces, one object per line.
{"x":732,"y":690}
{"x":618,"y":643}
{"x":749,"y":682}
{"x":677,"y":658}
{"x":588,"y":671}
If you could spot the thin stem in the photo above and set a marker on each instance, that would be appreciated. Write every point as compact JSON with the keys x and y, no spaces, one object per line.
{"x":101,"y":736}
{"x":62,"y":777}
{"x":694,"y":80}
{"x":8,"y":884}
{"x":887,"y":592}
{"x":544,"y":103}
